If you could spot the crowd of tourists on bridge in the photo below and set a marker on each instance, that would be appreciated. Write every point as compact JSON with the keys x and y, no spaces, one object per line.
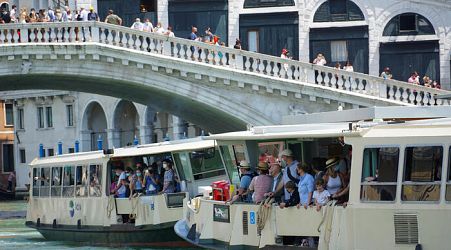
{"x":290,"y":183}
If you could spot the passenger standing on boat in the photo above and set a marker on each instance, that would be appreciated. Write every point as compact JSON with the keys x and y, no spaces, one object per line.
{"x":121,"y":186}
{"x":137,"y":183}
{"x":169,"y":178}
{"x":333,"y":178}
{"x":277,"y":189}
{"x":305,"y":184}
{"x":261,"y":184}
{"x":288,"y":162}
{"x":152,"y":182}
{"x":246,"y":178}
{"x":293,"y":200}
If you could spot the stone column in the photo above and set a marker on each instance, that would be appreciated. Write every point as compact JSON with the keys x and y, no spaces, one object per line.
{"x":178,"y":128}
{"x":162,"y":12}
{"x":234,"y":21}
{"x":145,"y":134}
{"x":114,"y":138}
{"x":85,"y":140}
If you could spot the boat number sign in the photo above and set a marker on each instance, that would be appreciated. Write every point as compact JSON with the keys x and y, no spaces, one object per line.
{"x":252,"y":217}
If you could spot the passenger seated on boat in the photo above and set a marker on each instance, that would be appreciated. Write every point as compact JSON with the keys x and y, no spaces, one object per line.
{"x":246,"y":178}
{"x":169,"y":179}
{"x":277,"y":189}
{"x":294,"y":195}
{"x":320,"y":195}
{"x":261,"y":184}
{"x":121,"y":187}
{"x":151,"y":182}
{"x":305,"y":184}
{"x":333,"y":178}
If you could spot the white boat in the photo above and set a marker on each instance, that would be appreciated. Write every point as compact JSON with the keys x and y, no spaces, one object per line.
{"x":399,"y":189}
{"x":70,"y":196}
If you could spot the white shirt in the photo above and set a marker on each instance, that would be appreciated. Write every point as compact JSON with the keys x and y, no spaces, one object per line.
{"x":84,"y":15}
{"x":137,"y":26}
{"x":321,"y":198}
{"x":148,"y":27}
{"x":321,"y":61}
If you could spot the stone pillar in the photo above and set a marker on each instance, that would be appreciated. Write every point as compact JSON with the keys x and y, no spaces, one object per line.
{"x":85,"y":140}
{"x":178,"y":128}
{"x":145,"y":134}
{"x":162,"y":12}
{"x":234,"y":21}
{"x":114,"y":138}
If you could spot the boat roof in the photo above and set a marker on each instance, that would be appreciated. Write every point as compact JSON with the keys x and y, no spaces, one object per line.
{"x":286,"y":131}
{"x":93,"y":156}
{"x":435,"y":127}
{"x":147,"y":149}
{"x":163,"y":147}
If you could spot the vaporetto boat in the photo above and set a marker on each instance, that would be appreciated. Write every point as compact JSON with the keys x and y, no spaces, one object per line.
{"x":399,"y":189}
{"x":70,"y":196}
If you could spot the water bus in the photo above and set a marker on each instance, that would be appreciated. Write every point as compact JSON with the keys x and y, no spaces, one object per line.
{"x":70,"y":196}
{"x":399,"y":189}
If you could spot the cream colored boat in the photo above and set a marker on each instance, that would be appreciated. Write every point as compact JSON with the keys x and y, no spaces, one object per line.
{"x":399,"y":191}
{"x":70,"y":198}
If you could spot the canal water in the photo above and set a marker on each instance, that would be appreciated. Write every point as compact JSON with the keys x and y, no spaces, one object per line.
{"x":15,"y":235}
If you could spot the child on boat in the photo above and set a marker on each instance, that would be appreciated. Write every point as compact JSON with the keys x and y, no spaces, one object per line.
{"x":320,"y":195}
{"x":294,"y":195}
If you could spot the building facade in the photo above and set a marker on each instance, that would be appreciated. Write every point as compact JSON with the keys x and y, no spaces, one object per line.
{"x":53,"y":117}
{"x":7,"y":164}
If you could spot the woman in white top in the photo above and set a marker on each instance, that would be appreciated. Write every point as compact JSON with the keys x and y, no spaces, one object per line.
{"x":348,"y":67}
{"x":320,"y":60}
{"x":333,"y":178}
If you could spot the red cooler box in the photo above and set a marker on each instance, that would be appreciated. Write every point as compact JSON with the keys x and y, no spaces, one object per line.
{"x":221,"y":190}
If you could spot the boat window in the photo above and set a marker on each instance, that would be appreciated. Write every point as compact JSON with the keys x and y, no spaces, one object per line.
{"x":94,"y":180}
{"x":448,"y":183}
{"x":206,"y":164}
{"x":44,"y":190}
{"x":422,"y":173}
{"x":82,"y":181}
{"x":36,"y":181}
{"x":68,"y":181}
{"x":182,"y":164}
{"x":379,"y":174}
{"x":269,"y":151}
{"x":230,"y":163}
{"x":56,"y":181}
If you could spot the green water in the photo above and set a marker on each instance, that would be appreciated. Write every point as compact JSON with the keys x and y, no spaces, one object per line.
{"x":15,"y":235}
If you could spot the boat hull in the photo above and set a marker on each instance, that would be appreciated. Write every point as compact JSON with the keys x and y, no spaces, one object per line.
{"x":124,"y":235}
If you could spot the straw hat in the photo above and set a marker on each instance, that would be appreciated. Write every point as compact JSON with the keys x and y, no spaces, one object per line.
{"x":287,"y":152}
{"x":332,"y":162}
{"x":244,"y":164}
{"x":262,"y":166}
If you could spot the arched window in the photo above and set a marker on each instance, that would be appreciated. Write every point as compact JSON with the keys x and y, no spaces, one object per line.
{"x":267,"y":3}
{"x":408,"y":24}
{"x":4,"y":6}
{"x":338,"y":11}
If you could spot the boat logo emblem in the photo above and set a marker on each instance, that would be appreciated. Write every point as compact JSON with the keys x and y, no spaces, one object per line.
{"x":71,"y":209}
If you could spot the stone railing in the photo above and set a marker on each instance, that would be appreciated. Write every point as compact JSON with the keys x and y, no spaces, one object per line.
{"x":219,"y":56}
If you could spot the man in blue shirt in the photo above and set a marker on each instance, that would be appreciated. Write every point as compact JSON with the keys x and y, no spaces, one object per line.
{"x":246,"y":178}
{"x":289,"y":164}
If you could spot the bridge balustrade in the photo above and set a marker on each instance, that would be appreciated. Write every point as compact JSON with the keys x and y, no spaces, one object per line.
{"x":219,"y":56}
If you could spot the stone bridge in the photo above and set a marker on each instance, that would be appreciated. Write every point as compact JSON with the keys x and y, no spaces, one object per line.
{"x":218,"y":88}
